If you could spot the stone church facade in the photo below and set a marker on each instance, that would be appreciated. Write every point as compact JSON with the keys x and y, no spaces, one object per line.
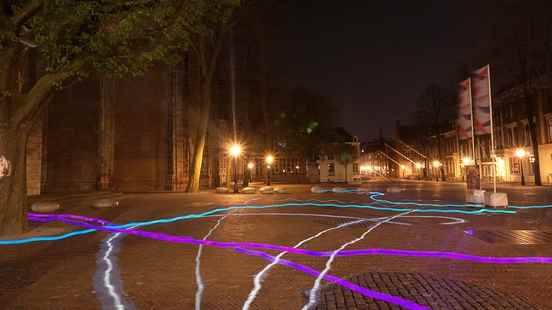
{"x":129,"y":135}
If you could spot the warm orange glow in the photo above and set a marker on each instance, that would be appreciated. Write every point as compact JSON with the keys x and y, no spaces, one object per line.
{"x":235,"y":150}
{"x":269,"y":159}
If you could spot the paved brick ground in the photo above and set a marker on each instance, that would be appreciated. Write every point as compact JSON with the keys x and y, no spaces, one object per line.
{"x":436,"y":293}
{"x":157,"y":275}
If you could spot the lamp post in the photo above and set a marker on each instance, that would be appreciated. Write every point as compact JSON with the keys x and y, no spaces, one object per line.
{"x":269,"y":159}
{"x":419,"y":169}
{"x":250,"y":167}
{"x":520,"y":153}
{"x":235,"y":151}
{"x":437,"y":164}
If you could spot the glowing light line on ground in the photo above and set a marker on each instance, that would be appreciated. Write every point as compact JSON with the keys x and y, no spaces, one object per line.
{"x":405,"y":303}
{"x":107,"y":275}
{"x":373,"y":251}
{"x":219,"y":210}
{"x":259,"y":277}
{"x":199,"y":280}
{"x":313,"y":294}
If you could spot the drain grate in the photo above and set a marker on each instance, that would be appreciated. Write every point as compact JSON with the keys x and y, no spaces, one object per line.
{"x":521,"y":237}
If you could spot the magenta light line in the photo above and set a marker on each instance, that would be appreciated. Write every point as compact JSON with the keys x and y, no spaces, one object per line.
{"x":334,"y":279}
{"x":405,"y":303}
{"x":265,"y":246}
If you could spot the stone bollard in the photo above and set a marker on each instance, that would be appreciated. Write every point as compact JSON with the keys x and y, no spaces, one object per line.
{"x":45,"y":206}
{"x":394,"y":190}
{"x":222,"y":190}
{"x":249,"y":190}
{"x":475,"y":196}
{"x":496,"y":199}
{"x":266,"y":190}
{"x":318,"y":190}
{"x":281,"y":190}
{"x":104,"y":203}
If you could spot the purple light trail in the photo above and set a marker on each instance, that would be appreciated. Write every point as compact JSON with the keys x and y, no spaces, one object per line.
{"x":265,"y":246}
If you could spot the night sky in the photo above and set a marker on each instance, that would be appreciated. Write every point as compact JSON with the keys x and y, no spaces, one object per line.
{"x":375,"y":57}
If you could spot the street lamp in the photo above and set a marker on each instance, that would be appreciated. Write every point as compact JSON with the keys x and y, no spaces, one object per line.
{"x":436,"y":165}
{"x":269,"y":159}
{"x":235,"y":151}
{"x":467,"y":161}
{"x":419,"y":169}
{"x":520,"y":153}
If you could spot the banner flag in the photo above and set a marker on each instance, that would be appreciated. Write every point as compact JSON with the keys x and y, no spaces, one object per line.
{"x":464,"y":122}
{"x":481,"y":101}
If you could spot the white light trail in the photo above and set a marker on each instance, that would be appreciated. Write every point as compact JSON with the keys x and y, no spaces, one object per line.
{"x":259,"y":277}
{"x":107,"y":274}
{"x":199,"y":280}
{"x":316,"y":287}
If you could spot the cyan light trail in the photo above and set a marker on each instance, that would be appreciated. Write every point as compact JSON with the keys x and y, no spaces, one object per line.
{"x":264,"y":246}
{"x":313,"y":294}
{"x":259,"y":277}
{"x":199,"y":280}
{"x":219,"y":210}
{"x":366,"y":292}
{"x":405,"y":303}
{"x":453,"y":220}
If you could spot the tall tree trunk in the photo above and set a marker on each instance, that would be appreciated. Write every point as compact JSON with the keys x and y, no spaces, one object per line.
{"x":13,"y":184}
{"x":529,"y":99}
{"x":201,"y":134}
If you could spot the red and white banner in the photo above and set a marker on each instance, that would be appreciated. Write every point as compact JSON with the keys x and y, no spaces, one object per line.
{"x":464,"y":122}
{"x":481,"y":101}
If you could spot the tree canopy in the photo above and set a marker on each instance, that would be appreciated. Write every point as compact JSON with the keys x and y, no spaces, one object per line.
{"x":114,"y":37}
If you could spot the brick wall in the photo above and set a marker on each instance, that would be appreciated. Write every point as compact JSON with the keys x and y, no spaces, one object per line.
{"x":72,"y":139}
{"x":141,"y":132}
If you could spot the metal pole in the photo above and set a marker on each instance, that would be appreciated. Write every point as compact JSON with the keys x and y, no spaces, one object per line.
{"x":268,"y":172}
{"x":493,"y":156}
{"x":521,"y":167}
{"x":235,"y":164}
{"x":233,"y":84}
{"x":471,"y":119}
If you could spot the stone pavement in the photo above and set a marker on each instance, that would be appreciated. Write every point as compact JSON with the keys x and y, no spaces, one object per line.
{"x":148,"y":274}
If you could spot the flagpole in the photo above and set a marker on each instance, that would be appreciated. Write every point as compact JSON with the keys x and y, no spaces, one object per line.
{"x":471,"y":118}
{"x":493,"y":155}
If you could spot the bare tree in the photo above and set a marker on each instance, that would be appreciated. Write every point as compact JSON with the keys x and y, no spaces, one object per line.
{"x":434,"y":110}
{"x":522,"y":49}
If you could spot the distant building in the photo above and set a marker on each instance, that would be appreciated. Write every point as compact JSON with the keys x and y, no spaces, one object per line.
{"x":511,"y":132}
{"x":339,"y":159}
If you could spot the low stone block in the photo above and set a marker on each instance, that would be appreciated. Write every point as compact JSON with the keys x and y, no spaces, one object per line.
{"x":394,"y":189}
{"x":475,"y":196}
{"x":496,"y":199}
{"x":249,"y":190}
{"x":266,"y":190}
{"x":105,"y":203}
{"x":339,"y":190}
{"x":318,"y":190}
{"x":281,"y":190}
{"x":45,"y":206}
{"x":222,"y":190}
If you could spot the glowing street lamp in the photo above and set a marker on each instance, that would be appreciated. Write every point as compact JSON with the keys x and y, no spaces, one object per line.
{"x":250,"y":166}
{"x":466,"y":161}
{"x":235,"y":151}
{"x":269,"y":159}
{"x":520,"y":153}
{"x":436,"y":164}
